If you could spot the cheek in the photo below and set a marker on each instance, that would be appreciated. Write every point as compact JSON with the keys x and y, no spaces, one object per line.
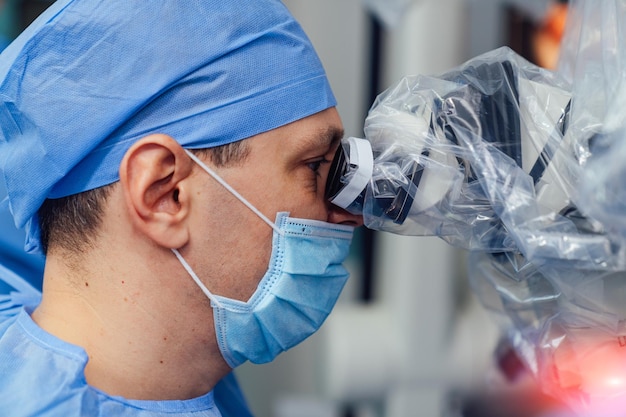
{"x":307,"y":203}
{"x":245,"y":258}
{"x":235,"y":246}
{"x":302,"y":195}
{"x":254,"y":264}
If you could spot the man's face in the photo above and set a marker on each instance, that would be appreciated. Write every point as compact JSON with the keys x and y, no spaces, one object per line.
{"x":288,"y":167}
{"x":286,"y":170}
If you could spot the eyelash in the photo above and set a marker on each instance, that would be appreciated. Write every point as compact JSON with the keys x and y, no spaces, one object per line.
{"x":316,"y":165}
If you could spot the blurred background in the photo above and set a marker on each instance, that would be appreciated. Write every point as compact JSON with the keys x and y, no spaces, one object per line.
{"x":407,"y":338}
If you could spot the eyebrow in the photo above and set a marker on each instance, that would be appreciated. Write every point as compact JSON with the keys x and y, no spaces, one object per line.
{"x":325,"y":137}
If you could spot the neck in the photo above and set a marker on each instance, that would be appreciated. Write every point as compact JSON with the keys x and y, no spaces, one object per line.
{"x":146,"y":327}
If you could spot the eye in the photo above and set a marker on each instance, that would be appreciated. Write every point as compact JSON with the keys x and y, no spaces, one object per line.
{"x":317,"y":164}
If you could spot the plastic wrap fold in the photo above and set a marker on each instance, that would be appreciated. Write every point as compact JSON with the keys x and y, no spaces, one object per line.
{"x":524,"y":167}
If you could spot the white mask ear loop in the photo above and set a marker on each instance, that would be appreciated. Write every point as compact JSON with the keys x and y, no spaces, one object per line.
{"x":234,"y":192}
{"x":204,"y":289}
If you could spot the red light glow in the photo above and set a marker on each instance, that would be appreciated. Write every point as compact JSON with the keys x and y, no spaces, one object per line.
{"x":593,"y":375}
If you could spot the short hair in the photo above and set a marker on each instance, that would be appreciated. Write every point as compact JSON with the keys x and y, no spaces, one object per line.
{"x":71,"y":223}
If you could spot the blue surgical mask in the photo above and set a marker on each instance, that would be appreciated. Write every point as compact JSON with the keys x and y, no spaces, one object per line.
{"x":294,"y":297}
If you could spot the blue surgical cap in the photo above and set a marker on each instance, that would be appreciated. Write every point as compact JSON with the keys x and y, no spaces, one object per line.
{"x":90,"y":77}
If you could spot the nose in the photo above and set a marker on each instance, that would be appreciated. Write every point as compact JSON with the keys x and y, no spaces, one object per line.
{"x":340,"y":216}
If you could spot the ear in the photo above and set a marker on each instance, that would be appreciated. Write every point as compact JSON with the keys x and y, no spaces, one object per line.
{"x":152,"y":176}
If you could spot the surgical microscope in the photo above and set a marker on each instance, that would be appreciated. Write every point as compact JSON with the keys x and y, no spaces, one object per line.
{"x":481,"y":157}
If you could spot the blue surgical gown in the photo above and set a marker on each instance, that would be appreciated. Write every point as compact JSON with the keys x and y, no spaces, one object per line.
{"x":41,"y":375}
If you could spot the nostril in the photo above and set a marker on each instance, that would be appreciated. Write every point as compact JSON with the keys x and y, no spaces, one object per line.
{"x":338,"y":215}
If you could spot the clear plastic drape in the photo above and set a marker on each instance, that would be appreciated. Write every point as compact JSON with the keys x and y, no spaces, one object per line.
{"x":524,"y":167}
